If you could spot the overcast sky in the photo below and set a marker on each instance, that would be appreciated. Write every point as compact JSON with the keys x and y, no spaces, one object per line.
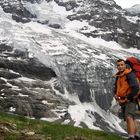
{"x":127,"y":3}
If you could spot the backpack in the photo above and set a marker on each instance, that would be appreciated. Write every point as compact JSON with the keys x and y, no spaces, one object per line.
{"x":134,"y":63}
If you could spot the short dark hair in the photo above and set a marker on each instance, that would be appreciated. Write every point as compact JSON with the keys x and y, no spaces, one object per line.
{"x":119,"y":60}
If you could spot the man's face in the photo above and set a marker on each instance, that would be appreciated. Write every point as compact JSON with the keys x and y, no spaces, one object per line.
{"x":121,"y":66}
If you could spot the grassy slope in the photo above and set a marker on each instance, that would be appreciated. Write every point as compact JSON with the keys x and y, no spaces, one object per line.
{"x":18,"y":128}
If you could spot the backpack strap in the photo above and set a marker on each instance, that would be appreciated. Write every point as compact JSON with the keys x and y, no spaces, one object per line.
{"x":138,"y":94}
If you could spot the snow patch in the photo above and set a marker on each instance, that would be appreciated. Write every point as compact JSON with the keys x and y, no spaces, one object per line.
{"x":12,"y":109}
{"x":49,"y":12}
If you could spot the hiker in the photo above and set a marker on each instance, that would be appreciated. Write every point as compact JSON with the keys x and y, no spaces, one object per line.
{"x":126,"y":89}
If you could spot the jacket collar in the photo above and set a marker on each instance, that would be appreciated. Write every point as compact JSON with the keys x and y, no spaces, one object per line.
{"x":126,"y":71}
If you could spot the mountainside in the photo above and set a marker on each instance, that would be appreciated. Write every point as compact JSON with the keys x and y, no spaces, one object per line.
{"x":134,"y":10}
{"x":98,"y":18}
{"x":53,"y":68}
{"x":14,"y":127}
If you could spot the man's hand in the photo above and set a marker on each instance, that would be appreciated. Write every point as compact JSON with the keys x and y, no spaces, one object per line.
{"x":120,"y":101}
{"x":116,"y":97}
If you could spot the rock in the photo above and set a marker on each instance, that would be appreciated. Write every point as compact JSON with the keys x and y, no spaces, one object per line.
{"x":57,"y":26}
{"x":19,"y":12}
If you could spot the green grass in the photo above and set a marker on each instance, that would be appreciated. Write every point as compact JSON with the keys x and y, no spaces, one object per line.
{"x":53,"y":130}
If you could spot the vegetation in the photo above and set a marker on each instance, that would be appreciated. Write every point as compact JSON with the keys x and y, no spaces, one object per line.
{"x":13,"y":127}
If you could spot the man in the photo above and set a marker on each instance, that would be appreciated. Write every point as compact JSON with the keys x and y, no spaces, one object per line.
{"x":126,"y":89}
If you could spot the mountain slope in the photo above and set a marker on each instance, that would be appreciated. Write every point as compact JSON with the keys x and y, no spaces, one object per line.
{"x":134,"y":10}
{"x":59,"y":74}
{"x":19,"y":128}
{"x":98,"y":18}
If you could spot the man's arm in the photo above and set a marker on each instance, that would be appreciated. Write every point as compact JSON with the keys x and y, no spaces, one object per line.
{"x":133,"y":82}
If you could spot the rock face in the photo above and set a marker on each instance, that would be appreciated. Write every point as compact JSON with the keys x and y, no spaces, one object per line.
{"x":19,"y":13}
{"x":17,"y":94}
{"x":46,"y":72}
{"x":111,"y":22}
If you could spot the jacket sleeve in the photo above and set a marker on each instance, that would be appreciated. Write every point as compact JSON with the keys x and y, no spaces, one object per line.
{"x":132,"y":80}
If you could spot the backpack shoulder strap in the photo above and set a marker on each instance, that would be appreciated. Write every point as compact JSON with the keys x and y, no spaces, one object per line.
{"x":127,"y":76}
{"x":138,"y":94}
